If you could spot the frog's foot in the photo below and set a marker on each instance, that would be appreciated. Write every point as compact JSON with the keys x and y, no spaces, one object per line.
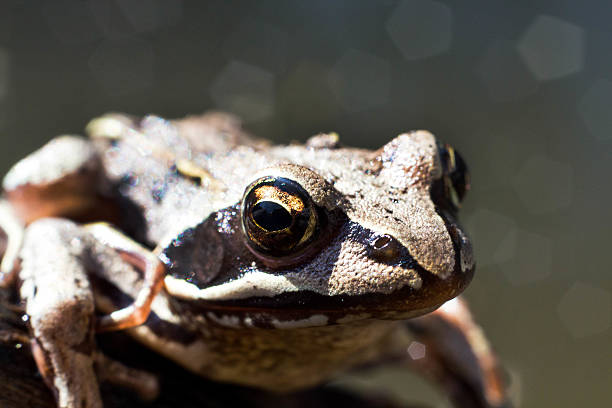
{"x":11,"y":237}
{"x":140,"y":258}
{"x":452,"y":350}
{"x":60,"y":306}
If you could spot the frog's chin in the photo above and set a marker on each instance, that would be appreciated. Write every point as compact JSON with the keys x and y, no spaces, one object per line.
{"x":292,"y":319}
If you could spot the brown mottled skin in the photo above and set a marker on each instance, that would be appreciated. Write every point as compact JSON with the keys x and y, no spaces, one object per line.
{"x":394,"y":200}
{"x":227,"y":312}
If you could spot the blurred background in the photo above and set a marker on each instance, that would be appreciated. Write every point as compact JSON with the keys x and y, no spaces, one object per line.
{"x":523,"y":89}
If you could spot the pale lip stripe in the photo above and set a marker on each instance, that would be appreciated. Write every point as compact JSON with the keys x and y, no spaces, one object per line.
{"x":251,"y":285}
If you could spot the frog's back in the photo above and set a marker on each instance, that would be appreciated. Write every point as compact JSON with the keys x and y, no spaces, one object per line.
{"x":163,"y":170}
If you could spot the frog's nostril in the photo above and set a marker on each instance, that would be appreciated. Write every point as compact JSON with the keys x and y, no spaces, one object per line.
{"x":384,"y":248}
{"x":381,"y":242}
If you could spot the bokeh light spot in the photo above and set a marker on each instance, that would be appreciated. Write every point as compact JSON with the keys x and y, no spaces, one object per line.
{"x":245,"y":90}
{"x":504,"y":74}
{"x":552,"y":48}
{"x":360,"y":81}
{"x":420,"y":28}
{"x":544,"y":185}
{"x":532,"y":261}
{"x":594,"y":108}
{"x":585,"y":310}
{"x":417,"y":350}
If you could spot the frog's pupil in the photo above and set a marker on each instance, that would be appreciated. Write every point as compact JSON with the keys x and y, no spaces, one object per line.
{"x":271,"y":216}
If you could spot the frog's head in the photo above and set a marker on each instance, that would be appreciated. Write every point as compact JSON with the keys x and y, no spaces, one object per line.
{"x":338,"y":234}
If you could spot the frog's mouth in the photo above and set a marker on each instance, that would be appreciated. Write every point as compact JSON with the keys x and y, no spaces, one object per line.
{"x":304,"y":308}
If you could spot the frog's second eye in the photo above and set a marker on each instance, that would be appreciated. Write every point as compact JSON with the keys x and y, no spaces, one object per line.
{"x":278,"y":217}
{"x":455,"y":175}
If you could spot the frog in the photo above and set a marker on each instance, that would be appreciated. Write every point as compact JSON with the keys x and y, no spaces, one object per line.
{"x":269,"y":266}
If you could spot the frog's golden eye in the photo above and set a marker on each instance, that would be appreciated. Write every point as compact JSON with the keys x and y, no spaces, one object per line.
{"x":456,"y":177}
{"x":278,"y":217}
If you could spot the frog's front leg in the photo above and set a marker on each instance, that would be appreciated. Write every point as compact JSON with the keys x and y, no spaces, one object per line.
{"x":60,"y":305}
{"x":58,"y":258}
{"x":65,"y":179}
{"x":453,"y":351}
